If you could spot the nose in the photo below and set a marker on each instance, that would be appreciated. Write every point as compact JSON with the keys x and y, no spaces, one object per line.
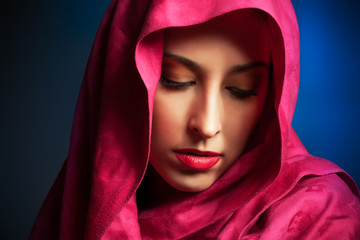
{"x":205,"y":119}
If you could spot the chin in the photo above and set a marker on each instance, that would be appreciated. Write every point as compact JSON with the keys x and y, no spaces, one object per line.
{"x":191,"y":185}
{"x":190,"y":188}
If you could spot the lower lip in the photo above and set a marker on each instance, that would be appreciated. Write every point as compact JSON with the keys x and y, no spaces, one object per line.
{"x":197,"y":162}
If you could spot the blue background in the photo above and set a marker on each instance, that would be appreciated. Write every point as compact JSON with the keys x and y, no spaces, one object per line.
{"x":44,"y":49}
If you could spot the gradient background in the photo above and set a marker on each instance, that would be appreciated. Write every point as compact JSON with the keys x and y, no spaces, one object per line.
{"x":44,"y":49}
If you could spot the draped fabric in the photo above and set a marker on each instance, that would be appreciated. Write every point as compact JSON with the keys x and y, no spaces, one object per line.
{"x":275,"y":190}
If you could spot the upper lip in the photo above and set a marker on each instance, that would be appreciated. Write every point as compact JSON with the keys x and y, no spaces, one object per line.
{"x":197,"y":152}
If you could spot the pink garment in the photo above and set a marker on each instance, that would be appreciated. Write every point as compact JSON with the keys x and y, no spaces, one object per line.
{"x":276,"y":190}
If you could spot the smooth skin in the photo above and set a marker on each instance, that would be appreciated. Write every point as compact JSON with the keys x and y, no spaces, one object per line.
{"x":210,"y":96}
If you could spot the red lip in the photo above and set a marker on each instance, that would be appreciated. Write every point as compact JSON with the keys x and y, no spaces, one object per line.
{"x":197,"y":152}
{"x":196,"y":159}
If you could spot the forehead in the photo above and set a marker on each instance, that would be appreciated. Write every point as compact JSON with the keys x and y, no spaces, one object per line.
{"x":247,"y":30}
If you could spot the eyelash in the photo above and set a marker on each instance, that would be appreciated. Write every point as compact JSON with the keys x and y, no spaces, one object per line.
{"x":237,"y":93}
{"x":172,"y":85}
{"x":241,"y":94}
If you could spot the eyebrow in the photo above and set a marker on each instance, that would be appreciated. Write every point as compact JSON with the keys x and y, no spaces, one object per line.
{"x":236,"y":69}
{"x":248,"y":66}
{"x":187,"y":62}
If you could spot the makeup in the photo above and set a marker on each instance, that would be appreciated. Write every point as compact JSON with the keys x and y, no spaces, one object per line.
{"x":195,"y":159}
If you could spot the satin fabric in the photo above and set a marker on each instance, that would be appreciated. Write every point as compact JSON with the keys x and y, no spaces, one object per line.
{"x":275,"y":190}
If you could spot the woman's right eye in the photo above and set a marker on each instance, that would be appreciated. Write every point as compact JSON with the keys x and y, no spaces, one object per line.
{"x":174,"y":85}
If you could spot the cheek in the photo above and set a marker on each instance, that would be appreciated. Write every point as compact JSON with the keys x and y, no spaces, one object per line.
{"x":168,"y":118}
{"x":240,"y":120}
{"x":238,"y":125}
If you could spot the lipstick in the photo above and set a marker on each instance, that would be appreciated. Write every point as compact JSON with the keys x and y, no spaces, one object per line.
{"x":199,"y":160}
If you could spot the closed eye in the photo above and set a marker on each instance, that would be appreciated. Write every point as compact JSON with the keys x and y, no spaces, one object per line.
{"x":174,"y":85}
{"x":241,"y":94}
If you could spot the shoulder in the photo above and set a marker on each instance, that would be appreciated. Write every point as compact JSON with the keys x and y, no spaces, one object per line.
{"x":318,"y":207}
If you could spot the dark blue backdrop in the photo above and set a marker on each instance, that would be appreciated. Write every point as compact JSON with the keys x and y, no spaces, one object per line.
{"x":45,"y":45}
{"x":327,"y":113}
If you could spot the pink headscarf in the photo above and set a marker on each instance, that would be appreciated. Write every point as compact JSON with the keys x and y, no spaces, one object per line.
{"x":276,"y":190}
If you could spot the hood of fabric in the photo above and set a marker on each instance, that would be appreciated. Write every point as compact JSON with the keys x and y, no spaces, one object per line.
{"x":111,"y":134}
{"x":274,"y":128}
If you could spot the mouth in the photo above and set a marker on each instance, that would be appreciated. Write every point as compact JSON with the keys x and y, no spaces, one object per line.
{"x":196,"y":159}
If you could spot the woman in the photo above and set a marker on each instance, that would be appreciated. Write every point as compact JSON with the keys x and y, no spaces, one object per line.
{"x":183,"y":131}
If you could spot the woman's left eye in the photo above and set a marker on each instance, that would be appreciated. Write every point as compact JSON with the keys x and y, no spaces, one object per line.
{"x":170,"y":84}
{"x":241,"y":94}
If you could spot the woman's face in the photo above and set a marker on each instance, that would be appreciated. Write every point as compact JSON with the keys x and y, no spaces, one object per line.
{"x":210,"y":96}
